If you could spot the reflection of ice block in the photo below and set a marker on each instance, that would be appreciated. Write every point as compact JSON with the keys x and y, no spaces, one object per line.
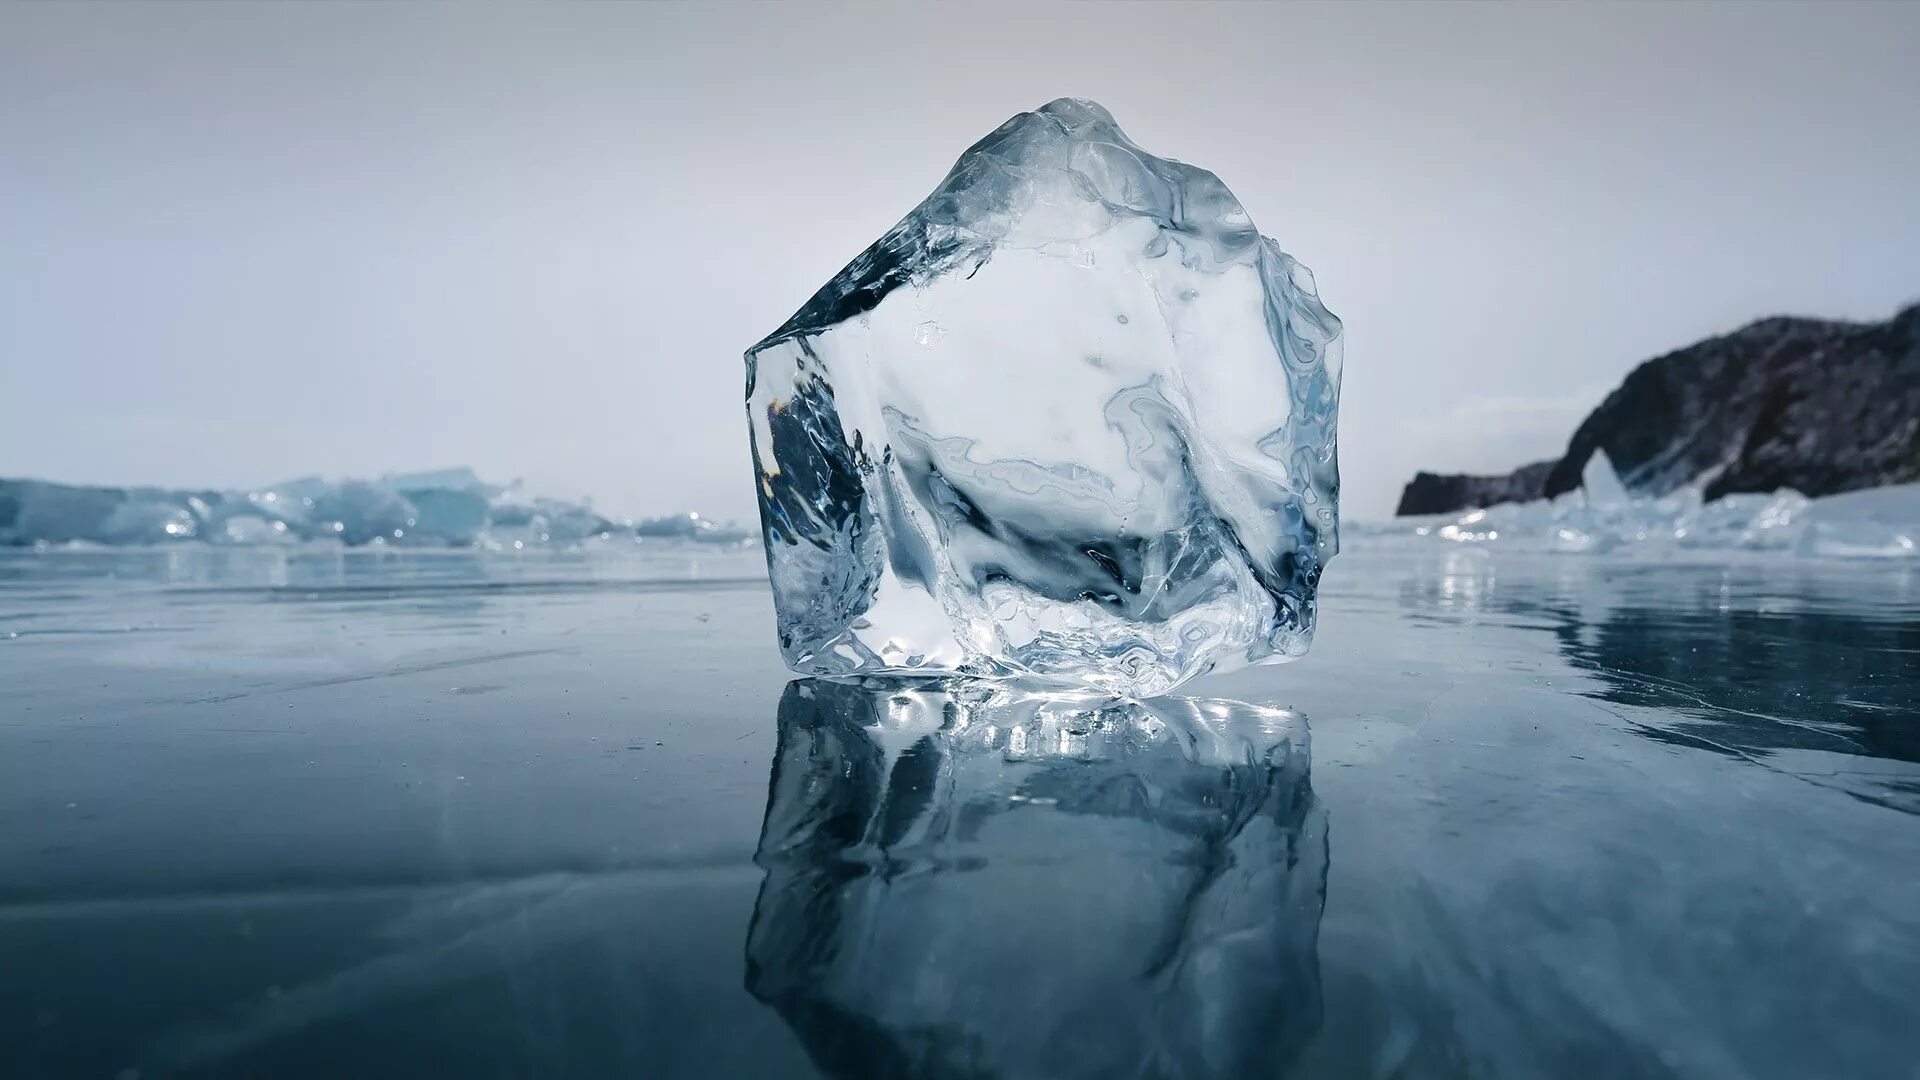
{"x":1073,"y":416}
{"x":964,"y":880}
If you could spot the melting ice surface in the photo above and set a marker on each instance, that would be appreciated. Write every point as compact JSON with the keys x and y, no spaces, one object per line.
{"x":446,"y":507}
{"x":1601,"y":517}
{"x":1073,"y":416}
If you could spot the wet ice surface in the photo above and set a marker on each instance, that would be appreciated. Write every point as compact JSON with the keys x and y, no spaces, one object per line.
{"x":405,"y":813}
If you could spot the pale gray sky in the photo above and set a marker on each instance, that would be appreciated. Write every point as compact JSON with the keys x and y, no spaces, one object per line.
{"x":244,"y":242}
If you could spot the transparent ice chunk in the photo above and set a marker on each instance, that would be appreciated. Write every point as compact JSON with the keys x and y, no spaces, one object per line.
{"x":1601,"y":484}
{"x":147,"y":521}
{"x":1073,"y":416}
{"x":965,"y":880}
{"x":1878,"y":523}
{"x":359,"y":512}
{"x":1873,"y":523}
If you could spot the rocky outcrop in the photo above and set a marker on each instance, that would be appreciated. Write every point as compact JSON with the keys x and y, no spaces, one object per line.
{"x":1438,"y":493}
{"x":1814,"y":405}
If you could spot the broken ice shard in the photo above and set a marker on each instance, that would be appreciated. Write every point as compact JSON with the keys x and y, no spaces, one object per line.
{"x":970,"y":880}
{"x":1072,"y":417}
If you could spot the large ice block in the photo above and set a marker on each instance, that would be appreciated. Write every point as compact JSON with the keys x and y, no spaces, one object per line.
{"x":968,"y":880}
{"x":1072,"y":417}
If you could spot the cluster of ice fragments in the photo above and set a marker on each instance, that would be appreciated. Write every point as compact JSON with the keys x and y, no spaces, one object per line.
{"x":448,"y":507}
{"x":1073,"y":416}
{"x":1601,"y":517}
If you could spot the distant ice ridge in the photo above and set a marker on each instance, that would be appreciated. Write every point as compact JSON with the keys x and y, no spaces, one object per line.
{"x":443,"y":508}
{"x":1600,"y":517}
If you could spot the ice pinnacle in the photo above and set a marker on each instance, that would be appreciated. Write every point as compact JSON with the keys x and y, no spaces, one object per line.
{"x":1073,"y":418}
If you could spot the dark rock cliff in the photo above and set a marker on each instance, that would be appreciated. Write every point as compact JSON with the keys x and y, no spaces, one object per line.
{"x":1814,"y":405}
{"x":1437,"y":493}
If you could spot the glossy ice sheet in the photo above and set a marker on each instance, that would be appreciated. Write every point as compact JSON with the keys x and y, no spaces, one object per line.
{"x":409,"y":814}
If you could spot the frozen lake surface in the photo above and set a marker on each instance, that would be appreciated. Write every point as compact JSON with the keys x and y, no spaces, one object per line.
{"x":321,"y":814}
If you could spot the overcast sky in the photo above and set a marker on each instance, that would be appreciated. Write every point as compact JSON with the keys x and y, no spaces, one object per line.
{"x":240,"y":243}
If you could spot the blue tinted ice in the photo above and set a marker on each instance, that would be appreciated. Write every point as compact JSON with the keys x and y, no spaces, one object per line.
{"x":964,"y":881}
{"x":1072,"y":417}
